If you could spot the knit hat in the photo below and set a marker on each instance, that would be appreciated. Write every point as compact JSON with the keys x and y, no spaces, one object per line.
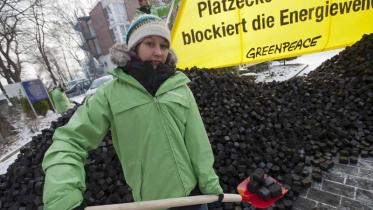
{"x":146,"y":25}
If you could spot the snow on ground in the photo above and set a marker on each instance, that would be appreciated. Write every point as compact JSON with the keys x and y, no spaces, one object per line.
{"x":79,"y":99}
{"x":7,"y":162}
{"x":314,"y":60}
{"x":26,"y":129}
{"x":280,"y":72}
{"x":300,"y":66}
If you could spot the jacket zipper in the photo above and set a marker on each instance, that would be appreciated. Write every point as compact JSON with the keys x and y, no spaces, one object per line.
{"x":156,"y":101}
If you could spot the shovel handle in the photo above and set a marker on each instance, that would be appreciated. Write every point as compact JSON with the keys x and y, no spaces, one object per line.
{"x":168,"y":203}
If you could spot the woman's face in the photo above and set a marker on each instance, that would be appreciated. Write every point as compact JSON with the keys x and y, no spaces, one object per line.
{"x":154,"y":49}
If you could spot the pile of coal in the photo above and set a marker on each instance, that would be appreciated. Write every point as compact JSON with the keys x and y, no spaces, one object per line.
{"x":293,"y":131}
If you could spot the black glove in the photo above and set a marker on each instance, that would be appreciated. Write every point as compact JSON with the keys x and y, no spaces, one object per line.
{"x":221,"y":197}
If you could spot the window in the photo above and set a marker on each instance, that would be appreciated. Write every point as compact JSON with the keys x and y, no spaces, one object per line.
{"x":91,"y":29}
{"x":98,"y":49}
{"x":123,"y":32}
{"x":108,"y":14}
{"x":119,"y":12}
{"x":112,"y":35}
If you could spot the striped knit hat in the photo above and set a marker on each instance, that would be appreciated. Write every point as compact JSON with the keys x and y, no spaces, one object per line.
{"x":146,"y":25}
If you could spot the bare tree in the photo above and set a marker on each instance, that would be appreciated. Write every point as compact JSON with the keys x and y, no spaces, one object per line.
{"x":59,"y":74}
{"x":39,"y":32}
{"x":40,"y":38}
{"x":68,"y":46}
{"x":55,"y":30}
{"x":58,"y":69}
{"x":29,"y":28}
{"x":3,"y":90}
{"x":65,"y":34}
{"x":10,"y":63}
{"x":67,"y":66}
{"x":12,"y":14}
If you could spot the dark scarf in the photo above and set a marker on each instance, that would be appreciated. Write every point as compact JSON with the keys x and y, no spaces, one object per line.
{"x":151,"y":79}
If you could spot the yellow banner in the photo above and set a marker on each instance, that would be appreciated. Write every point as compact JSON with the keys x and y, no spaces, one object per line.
{"x":220,"y":33}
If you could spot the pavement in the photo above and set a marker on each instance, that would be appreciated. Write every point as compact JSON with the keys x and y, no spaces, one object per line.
{"x":344,"y":187}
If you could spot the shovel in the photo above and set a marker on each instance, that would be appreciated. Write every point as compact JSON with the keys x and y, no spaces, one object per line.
{"x":243,"y":196}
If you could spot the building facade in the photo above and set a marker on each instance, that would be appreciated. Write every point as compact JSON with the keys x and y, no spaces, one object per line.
{"x":106,"y":24}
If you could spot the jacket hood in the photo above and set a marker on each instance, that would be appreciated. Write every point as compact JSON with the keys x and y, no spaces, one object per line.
{"x":120,"y":55}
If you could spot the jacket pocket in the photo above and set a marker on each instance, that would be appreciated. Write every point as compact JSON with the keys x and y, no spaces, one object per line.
{"x":175,"y":97}
{"x":134,"y":178}
{"x":123,"y":106}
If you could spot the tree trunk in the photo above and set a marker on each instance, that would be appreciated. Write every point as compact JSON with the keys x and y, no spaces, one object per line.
{"x":3,"y":90}
{"x":59,"y":71}
{"x":5,"y":127}
{"x":67,"y":66}
{"x":17,"y":70}
{"x":49,"y":69}
{"x":5,"y":72}
{"x":40,"y":41}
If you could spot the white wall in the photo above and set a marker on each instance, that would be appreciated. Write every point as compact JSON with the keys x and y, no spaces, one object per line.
{"x":13,"y":90}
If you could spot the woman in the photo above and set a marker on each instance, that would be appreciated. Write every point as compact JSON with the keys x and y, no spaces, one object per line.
{"x":157,"y":131}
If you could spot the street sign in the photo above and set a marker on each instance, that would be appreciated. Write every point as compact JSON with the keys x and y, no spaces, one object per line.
{"x":34,"y":90}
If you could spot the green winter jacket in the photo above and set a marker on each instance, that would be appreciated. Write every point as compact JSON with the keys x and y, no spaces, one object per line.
{"x":60,"y":101}
{"x":160,"y":141}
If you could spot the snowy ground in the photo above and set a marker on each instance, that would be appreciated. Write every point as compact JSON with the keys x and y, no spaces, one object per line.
{"x":79,"y":99}
{"x":26,"y":129}
{"x":279,"y":72}
{"x":314,"y":60}
{"x":8,"y":153}
{"x":298,"y":67}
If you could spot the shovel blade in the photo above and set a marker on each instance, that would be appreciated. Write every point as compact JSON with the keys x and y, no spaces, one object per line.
{"x":254,"y":199}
